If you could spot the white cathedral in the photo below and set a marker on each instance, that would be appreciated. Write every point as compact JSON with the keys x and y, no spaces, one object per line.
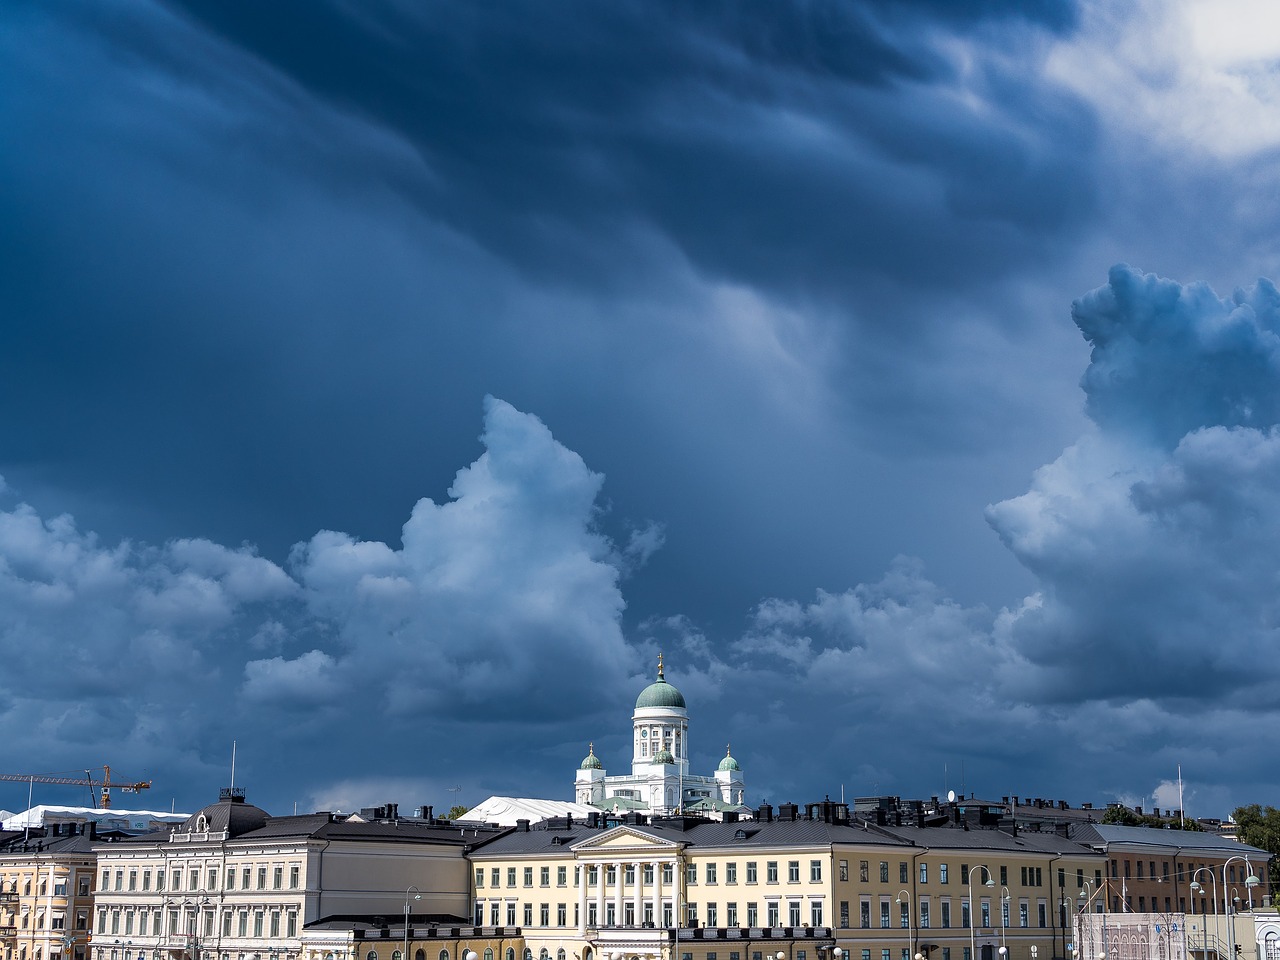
{"x":660,"y":782}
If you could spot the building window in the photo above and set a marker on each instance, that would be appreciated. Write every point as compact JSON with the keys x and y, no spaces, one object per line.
{"x":986,"y":913}
{"x":815,"y":913}
{"x":479,"y":877}
{"x":924,"y":873}
{"x":904,"y":873}
{"x":730,"y":873}
{"x":711,"y":877}
{"x":771,"y":913}
{"x":528,"y":876}
{"x":713,"y":917}
{"x":752,"y":916}
{"x":946,"y":914}
{"x":231,"y":878}
{"x":561,"y":911}
{"x":964,"y":913}
{"x":751,"y":871}
{"x":884,"y":871}
{"x":257,"y":923}
{"x":511,"y":876}
{"x":647,"y":872}
{"x":904,"y":915}
{"x":924,"y":912}
{"x":793,"y":871}
{"x":246,"y":878}
{"x":494,"y":913}
{"x":495,"y":877}
{"x":731,"y":914}
{"x":793,"y":913}
{"x":1042,"y":911}
{"x":1004,"y":875}
{"x":884,"y":915}
{"x":562,"y":876}
{"x":544,"y":877}
{"x":771,"y":871}
{"x":864,"y":914}
{"x":511,"y":914}
{"x":275,"y":923}
{"x":942,"y":873}
{"x":815,"y":873}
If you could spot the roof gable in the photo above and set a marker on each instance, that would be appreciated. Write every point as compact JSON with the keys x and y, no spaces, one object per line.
{"x":625,"y":837}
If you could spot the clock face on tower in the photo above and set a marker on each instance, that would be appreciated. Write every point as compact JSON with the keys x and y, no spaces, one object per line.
{"x":644,"y":733}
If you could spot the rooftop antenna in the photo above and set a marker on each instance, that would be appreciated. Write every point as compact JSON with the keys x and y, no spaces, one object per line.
{"x":233,"y":764}
{"x":455,"y":791}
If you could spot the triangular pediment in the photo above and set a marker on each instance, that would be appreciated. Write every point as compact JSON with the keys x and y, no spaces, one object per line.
{"x":624,"y":838}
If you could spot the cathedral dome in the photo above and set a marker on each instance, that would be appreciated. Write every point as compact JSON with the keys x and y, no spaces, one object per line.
{"x":660,"y":693}
{"x":664,"y":756}
{"x":728,"y":764}
{"x":591,"y":761}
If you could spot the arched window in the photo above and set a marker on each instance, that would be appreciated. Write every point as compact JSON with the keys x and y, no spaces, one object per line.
{"x":371,"y":955}
{"x":419,"y":954}
{"x":543,"y":955}
{"x":560,"y":954}
{"x":488,"y":953}
{"x":528,"y":953}
{"x":396,"y":955}
{"x":511,"y":954}
{"x":444,"y":955}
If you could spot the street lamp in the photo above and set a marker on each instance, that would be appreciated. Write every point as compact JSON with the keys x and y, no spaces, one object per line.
{"x":989,"y":882}
{"x":1198,"y":887}
{"x":417,"y":895}
{"x":1005,"y":898}
{"x":904,"y":899}
{"x":1250,"y":882}
{"x":1082,"y":904}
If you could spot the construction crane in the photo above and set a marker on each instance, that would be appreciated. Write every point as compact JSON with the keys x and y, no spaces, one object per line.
{"x":86,"y":781}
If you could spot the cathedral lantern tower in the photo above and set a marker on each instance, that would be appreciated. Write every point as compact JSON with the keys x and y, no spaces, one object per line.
{"x":660,"y":723}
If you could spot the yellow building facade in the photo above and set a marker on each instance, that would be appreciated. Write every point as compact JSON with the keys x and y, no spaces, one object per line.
{"x":46,"y":894}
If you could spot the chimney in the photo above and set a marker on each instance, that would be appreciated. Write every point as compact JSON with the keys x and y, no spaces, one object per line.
{"x":765,"y":813}
{"x":522,"y":826}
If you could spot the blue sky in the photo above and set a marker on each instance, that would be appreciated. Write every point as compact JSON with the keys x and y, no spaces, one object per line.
{"x":385,"y":386}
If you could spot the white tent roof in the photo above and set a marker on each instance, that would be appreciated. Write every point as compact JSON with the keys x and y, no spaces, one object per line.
{"x":128,"y":821}
{"x":505,"y":811}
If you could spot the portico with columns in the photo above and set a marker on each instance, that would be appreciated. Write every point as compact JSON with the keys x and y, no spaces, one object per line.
{"x":629,"y":894}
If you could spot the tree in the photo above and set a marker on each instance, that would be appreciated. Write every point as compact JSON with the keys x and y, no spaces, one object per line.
{"x":1259,"y":826}
{"x":455,"y":812}
{"x":1118,"y":813}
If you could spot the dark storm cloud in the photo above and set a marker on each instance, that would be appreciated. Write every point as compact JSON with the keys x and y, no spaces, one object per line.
{"x":736,"y":131}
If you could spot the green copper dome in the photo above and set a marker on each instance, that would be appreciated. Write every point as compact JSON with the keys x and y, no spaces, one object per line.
{"x":591,"y":761}
{"x":660,"y":693}
{"x":728,"y":763}
{"x":664,"y":756}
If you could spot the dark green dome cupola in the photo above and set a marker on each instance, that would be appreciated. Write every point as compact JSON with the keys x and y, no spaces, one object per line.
{"x":660,"y":693}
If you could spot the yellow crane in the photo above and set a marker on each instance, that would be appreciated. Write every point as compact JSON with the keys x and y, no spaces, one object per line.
{"x":86,"y":781}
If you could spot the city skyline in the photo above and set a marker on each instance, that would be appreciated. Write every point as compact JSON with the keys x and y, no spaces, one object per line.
{"x":385,"y":388}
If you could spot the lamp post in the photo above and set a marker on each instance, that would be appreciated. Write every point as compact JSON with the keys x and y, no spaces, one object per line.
{"x":973,"y":921}
{"x":1005,"y":905}
{"x":417,"y":895}
{"x":1198,"y":887}
{"x":1082,"y":904}
{"x":904,"y":899}
{"x":1251,"y":881}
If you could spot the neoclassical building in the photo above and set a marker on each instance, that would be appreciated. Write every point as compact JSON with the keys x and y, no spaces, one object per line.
{"x":660,"y":781}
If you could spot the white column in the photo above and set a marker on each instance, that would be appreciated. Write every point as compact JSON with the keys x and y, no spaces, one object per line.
{"x":657,"y":894}
{"x":599,"y":895}
{"x":637,"y":894}
{"x":617,"y":891}
{"x":582,"y":899}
